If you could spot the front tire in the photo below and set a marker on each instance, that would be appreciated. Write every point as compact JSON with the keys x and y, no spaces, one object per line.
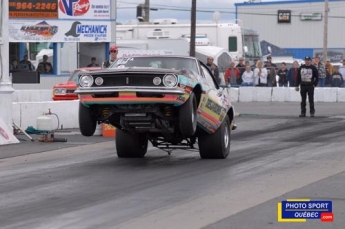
{"x":216,"y":145}
{"x":130,"y":145}
{"x":188,"y":116}
{"x":87,"y":124}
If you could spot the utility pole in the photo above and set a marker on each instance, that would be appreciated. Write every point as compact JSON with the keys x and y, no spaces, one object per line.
{"x":147,"y":10}
{"x":192,"y":29}
{"x":6,"y":88}
{"x":325,"y":33}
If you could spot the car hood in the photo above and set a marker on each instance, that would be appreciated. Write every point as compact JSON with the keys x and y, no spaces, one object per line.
{"x":69,"y":84}
{"x":130,"y":70}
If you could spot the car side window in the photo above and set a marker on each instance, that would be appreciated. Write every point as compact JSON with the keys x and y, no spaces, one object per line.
{"x":208,"y":77}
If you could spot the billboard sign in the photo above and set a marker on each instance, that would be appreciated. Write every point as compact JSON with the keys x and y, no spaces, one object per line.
{"x":47,"y":9}
{"x":311,"y":16}
{"x":84,"y":9}
{"x":284,"y":16}
{"x":59,"y":31}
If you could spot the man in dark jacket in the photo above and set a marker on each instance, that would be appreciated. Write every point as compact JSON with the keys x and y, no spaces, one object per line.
{"x":308,"y":78}
{"x":336,"y":79}
{"x":113,"y":51}
{"x":213,"y":69}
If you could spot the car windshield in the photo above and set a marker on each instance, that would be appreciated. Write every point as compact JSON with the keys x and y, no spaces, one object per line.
{"x":175,"y":63}
{"x":74,"y":76}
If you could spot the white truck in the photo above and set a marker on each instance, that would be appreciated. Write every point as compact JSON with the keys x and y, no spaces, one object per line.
{"x":240,"y":42}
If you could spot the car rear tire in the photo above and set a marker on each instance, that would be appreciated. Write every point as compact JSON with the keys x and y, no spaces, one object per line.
{"x":87,"y":124}
{"x":188,"y":116}
{"x":216,"y":145}
{"x":130,"y":145}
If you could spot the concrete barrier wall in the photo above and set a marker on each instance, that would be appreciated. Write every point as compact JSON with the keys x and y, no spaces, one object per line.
{"x":25,"y":113}
{"x":45,"y":83}
{"x":32,"y":95}
{"x":285,"y":94}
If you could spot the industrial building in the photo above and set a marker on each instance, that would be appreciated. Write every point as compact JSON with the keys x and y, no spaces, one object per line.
{"x":297,"y":26}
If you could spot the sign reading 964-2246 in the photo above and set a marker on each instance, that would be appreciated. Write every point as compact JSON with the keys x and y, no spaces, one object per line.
{"x":33,"y":8}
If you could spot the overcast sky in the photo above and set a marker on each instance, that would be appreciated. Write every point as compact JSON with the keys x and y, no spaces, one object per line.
{"x":127,"y":9}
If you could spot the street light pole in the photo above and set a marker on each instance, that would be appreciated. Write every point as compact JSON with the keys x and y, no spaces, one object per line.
{"x":147,"y":10}
{"x":325,"y":33}
{"x":192,"y":29}
{"x":6,"y":88}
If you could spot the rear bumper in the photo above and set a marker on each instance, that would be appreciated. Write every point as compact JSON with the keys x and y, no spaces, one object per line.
{"x":65,"y":97}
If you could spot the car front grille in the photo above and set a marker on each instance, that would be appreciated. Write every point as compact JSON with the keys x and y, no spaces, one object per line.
{"x":69,"y":91}
{"x":129,"y":80}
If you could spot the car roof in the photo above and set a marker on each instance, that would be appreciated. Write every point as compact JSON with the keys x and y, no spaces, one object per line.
{"x":88,"y":68}
{"x":162,"y":56}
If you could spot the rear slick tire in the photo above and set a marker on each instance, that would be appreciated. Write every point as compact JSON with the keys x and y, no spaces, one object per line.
{"x":216,"y":145}
{"x":130,"y":145}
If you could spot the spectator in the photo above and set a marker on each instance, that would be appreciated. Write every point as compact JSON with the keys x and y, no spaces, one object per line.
{"x":113,"y":51}
{"x":313,"y":61}
{"x":254,"y":65}
{"x":232,"y":74}
{"x":292,"y":74}
{"x":27,"y":62}
{"x":337,"y":79}
{"x":260,"y":74}
{"x":329,"y":67}
{"x":14,"y":65}
{"x":246,"y":63}
{"x":42,"y":65}
{"x":248,"y":77}
{"x":241,"y":67}
{"x":282,"y":73}
{"x":342,"y":72}
{"x":269,"y":61}
{"x":215,"y":72}
{"x":322,"y":72}
{"x":213,"y":67}
{"x":48,"y":69}
{"x":93,"y":63}
{"x":271,"y":74}
{"x":308,"y":76}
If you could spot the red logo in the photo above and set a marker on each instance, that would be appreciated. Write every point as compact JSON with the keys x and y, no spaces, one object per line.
{"x":74,"y":7}
{"x":4,"y":134}
{"x":327,"y":217}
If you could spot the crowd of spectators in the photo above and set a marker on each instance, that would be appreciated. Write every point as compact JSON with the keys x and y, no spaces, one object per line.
{"x":44,"y":67}
{"x":268,"y":74}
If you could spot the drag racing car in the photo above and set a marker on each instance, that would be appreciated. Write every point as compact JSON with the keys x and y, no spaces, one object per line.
{"x":172,"y":101}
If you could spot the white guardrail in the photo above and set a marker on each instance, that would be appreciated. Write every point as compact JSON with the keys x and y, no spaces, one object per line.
{"x":29,"y":104}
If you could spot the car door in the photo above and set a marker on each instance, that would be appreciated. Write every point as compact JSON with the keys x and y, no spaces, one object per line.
{"x":212,"y":109}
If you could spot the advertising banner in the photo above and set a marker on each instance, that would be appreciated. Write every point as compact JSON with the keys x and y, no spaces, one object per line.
{"x":6,"y":134}
{"x":334,"y":55}
{"x":47,"y":9}
{"x":59,"y":31}
{"x":84,"y":9}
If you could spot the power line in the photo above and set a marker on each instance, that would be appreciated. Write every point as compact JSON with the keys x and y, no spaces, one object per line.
{"x":228,"y":12}
{"x":335,"y":5}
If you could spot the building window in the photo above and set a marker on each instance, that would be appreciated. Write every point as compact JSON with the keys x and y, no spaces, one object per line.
{"x":232,"y":44}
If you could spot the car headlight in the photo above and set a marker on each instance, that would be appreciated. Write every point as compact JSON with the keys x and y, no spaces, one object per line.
{"x":170,"y":80}
{"x":60,"y":91}
{"x":86,"y":81}
{"x":99,"y":81}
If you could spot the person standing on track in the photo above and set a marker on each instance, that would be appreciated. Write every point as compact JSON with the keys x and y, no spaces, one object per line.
{"x":308,"y":78}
